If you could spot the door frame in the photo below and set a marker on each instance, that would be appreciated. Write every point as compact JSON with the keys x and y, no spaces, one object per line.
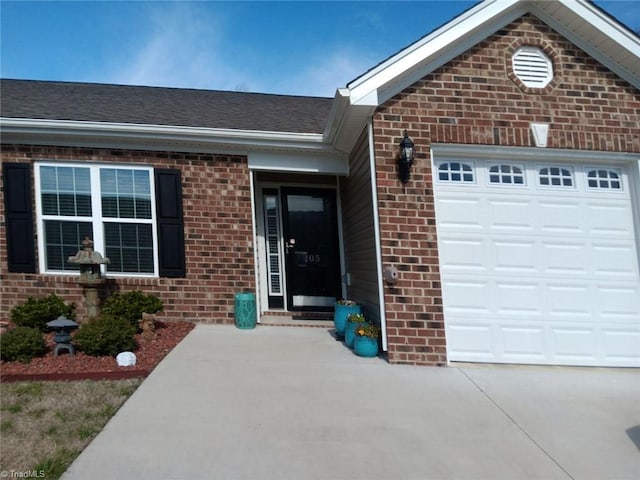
{"x":260,"y":245}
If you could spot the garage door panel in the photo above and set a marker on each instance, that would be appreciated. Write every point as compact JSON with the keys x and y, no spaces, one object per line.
{"x":565,"y":258}
{"x":462,"y":254}
{"x":571,"y":344}
{"x":515,"y":256}
{"x":621,"y":347}
{"x":569,"y":301}
{"x":525,"y":342}
{"x":612,"y":219}
{"x":618,"y":302}
{"x":612,"y":260}
{"x":518,"y":298}
{"x":561,"y":217}
{"x":540,"y":273}
{"x":511,"y":216}
{"x":472,"y":341}
{"x":467,"y":297}
{"x":462,"y":213}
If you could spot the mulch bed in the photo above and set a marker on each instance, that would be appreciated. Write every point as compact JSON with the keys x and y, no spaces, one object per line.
{"x":85,"y":367}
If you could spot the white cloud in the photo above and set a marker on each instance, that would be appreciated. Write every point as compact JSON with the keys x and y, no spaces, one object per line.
{"x":181,"y":46}
{"x":324,"y":73}
{"x":185,"y":45}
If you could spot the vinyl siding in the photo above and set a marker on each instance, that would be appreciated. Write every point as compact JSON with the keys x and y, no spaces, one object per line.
{"x":358,"y":230}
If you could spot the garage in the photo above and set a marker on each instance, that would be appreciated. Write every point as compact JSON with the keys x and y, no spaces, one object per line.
{"x":538,"y":257}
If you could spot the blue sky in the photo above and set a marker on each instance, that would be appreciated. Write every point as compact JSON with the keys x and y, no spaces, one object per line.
{"x":295,"y":47}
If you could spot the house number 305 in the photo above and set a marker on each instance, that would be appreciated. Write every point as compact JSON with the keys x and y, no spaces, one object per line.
{"x":313,"y":258}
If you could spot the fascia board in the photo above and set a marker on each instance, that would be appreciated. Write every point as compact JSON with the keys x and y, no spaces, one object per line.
{"x":435,"y":47}
{"x":339,"y":108}
{"x":153,"y":137}
{"x":529,"y":153}
{"x":603,"y":25}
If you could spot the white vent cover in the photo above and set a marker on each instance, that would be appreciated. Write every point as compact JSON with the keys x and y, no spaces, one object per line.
{"x":532,"y":67}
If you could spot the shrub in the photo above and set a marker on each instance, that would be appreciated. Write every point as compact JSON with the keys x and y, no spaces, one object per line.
{"x":36,"y":312}
{"x":21,"y":343}
{"x":105,"y":335}
{"x":131,"y":305}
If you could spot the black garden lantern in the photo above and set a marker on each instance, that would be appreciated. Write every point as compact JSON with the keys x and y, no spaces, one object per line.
{"x":407,"y":155}
{"x":62,"y":326}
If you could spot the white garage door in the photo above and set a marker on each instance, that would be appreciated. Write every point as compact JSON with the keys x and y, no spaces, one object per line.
{"x":539,"y":262}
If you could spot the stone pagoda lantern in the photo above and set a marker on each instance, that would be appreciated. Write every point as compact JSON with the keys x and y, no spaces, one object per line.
{"x":91,"y":277}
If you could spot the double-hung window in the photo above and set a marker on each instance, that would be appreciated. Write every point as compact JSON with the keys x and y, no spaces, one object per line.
{"x":112,"y":205}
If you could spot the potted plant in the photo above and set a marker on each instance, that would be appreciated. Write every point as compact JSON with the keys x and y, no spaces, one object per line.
{"x":353,"y":321}
{"x":365,"y":342}
{"x":342,"y":309}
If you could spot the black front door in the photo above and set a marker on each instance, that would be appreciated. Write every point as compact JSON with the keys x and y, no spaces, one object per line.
{"x":312,"y":256}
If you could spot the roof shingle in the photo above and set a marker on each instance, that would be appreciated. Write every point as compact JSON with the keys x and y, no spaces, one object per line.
{"x":162,"y":106}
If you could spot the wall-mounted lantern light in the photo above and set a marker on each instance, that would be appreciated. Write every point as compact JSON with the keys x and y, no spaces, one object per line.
{"x":407,"y":154}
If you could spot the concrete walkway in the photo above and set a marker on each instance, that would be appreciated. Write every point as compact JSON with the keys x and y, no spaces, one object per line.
{"x":292,"y":403}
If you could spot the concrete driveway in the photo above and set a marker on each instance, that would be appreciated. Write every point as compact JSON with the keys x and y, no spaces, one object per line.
{"x":292,"y":403}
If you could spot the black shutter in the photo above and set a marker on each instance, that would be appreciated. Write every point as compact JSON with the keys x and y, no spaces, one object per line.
{"x":170,"y":223}
{"x":19,"y":217}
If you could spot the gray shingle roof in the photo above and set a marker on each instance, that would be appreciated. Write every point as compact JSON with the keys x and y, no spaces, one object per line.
{"x":162,"y":106}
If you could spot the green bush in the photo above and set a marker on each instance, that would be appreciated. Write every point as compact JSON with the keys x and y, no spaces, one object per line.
{"x":36,"y":312}
{"x":105,"y":335}
{"x":21,"y":343}
{"x":131,"y":305}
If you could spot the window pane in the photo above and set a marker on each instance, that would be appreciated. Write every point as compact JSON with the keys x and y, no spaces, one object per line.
{"x":129,"y":247}
{"x":63,"y":240}
{"x":125,"y":193}
{"x":65,"y":191}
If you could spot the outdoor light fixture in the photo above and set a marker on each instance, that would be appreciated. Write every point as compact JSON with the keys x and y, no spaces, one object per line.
{"x":407,"y":154}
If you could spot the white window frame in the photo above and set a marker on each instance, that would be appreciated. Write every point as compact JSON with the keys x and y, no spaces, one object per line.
{"x":561,"y":167}
{"x":502,"y":175}
{"x":598,"y":179}
{"x":97,"y":220}
{"x":473,"y":172}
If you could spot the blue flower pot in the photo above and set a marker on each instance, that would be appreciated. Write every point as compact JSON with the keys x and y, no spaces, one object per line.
{"x":340,"y":315}
{"x":365,"y":346}
{"x":350,"y":332}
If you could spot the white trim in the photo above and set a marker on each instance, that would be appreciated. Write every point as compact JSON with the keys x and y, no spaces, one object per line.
{"x":343,"y":265}
{"x":256,"y":263}
{"x":460,"y":151}
{"x":376,"y":230}
{"x":154,"y":137}
{"x":304,"y":162}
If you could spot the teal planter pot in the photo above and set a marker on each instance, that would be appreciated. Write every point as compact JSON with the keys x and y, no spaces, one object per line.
{"x":245,"y":310}
{"x":365,"y":346}
{"x":349,"y":333}
{"x":340,"y":314}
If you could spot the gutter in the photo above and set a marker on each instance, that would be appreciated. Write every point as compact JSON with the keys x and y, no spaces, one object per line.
{"x":154,"y":137}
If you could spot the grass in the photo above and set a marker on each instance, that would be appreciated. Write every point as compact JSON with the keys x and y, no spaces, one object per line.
{"x":45,"y":425}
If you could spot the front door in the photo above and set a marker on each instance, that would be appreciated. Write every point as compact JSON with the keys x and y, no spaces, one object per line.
{"x":312,"y":255}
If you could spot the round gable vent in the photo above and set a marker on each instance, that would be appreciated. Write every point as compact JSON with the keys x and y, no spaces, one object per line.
{"x":532,"y":67}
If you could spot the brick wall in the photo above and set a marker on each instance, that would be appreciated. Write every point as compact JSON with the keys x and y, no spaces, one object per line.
{"x":218,"y":233}
{"x":476,"y":99}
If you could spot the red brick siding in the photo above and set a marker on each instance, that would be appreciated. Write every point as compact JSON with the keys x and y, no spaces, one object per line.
{"x":218,"y":233}
{"x":475,"y":100}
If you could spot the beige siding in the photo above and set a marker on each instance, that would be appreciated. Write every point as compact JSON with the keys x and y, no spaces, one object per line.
{"x":358,"y":229}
